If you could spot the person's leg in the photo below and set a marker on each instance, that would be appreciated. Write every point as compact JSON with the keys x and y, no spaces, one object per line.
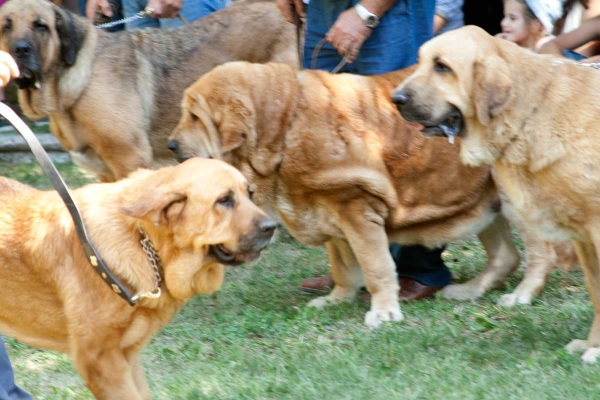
{"x":8,"y":389}
{"x":193,"y":10}
{"x":132,"y":7}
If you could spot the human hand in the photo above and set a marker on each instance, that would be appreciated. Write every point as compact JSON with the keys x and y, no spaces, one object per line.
{"x":165,"y":8}
{"x":348,"y":34}
{"x":92,"y":7}
{"x":291,"y":9}
{"x":8,"y":68}
{"x":593,"y":60}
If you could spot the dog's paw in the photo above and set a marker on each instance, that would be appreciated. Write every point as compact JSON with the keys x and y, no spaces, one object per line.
{"x":462,"y":292}
{"x":512,"y":299}
{"x":590,"y":356}
{"x":375,"y":317}
{"x":320,"y":302}
{"x":577,"y":345}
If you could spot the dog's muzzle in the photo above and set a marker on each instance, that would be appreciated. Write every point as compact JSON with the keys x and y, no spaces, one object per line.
{"x":29,"y":65}
{"x":449,"y":125}
{"x":250,"y":245}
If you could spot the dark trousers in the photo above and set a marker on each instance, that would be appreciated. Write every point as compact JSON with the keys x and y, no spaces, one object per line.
{"x":8,"y":389}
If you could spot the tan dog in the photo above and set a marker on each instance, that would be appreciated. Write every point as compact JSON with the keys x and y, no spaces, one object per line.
{"x":535,"y":121}
{"x":113,"y":98}
{"x":332,"y":156}
{"x":51,"y":296}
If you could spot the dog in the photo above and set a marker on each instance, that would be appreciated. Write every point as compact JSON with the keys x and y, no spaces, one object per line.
{"x":113,"y":98}
{"x":533,"y":118}
{"x":197,"y":223}
{"x":332,"y":157}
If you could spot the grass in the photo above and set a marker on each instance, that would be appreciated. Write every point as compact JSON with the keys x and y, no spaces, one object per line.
{"x":256,"y":339}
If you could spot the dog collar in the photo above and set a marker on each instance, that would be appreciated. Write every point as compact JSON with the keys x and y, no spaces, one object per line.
{"x":156,"y":265}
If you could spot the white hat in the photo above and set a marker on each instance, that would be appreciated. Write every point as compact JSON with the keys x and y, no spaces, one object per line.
{"x":547,"y":11}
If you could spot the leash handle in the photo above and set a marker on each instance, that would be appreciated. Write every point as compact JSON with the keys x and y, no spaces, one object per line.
{"x":62,"y":189}
{"x":316,"y":52}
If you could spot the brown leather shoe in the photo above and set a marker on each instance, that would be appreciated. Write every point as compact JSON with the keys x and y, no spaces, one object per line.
{"x":411,"y":290}
{"x":318,"y":284}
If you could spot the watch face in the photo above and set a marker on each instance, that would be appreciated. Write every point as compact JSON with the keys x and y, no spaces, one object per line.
{"x":372,"y":21}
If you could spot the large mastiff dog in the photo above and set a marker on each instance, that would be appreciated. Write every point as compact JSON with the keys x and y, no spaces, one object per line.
{"x":113,"y":98}
{"x":52,"y":298}
{"x":331,"y":154}
{"x":536,"y":121}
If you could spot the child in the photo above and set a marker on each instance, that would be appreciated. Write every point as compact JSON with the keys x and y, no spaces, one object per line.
{"x":528,"y":23}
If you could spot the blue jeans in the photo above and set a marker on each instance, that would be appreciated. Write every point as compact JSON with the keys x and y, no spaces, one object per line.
{"x":191,"y":11}
{"x":8,"y":389}
{"x":393,"y":45}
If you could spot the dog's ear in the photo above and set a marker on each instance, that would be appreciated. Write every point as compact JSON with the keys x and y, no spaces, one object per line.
{"x":492,"y":89}
{"x":157,"y":208}
{"x":71,"y":34}
{"x":238,"y":124}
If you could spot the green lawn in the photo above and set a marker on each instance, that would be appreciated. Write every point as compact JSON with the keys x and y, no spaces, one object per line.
{"x":255,"y":339}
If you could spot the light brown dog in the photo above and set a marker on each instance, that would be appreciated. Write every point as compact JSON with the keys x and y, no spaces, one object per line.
{"x":113,"y":98}
{"x":332,"y":156}
{"x":535,"y":120}
{"x":51,"y":296}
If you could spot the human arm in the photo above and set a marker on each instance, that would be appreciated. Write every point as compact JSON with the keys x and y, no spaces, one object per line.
{"x":439,"y":23}
{"x":446,"y":11}
{"x":291,"y":9}
{"x":162,"y":8}
{"x":8,"y":68}
{"x":349,"y":32}
{"x":92,"y":6}
{"x":588,"y":31}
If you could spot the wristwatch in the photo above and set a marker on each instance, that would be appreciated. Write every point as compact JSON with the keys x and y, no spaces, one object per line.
{"x":371,"y":20}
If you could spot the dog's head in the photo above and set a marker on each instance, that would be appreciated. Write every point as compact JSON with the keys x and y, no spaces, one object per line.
{"x":460,"y":85}
{"x":203,"y":213}
{"x":231,"y":114}
{"x":41,"y":37}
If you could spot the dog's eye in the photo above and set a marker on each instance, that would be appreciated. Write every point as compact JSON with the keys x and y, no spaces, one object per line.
{"x":40,"y":26}
{"x":251,"y":194}
{"x":7,"y":26}
{"x":227,"y":200}
{"x":194,"y":117}
{"x":441,"y":67}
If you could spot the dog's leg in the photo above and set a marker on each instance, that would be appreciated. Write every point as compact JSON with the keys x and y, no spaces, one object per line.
{"x":364,"y":229}
{"x":346,"y":274}
{"x":135,"y":361}
{"x":588,"y":257}
{"x":107,"y":372}
{"x":540,"y":259}
{"x":503,"y":258}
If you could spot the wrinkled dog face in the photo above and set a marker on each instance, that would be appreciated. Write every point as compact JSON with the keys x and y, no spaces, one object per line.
{"x":207,"y":207}
{"x":456,"y":92}
{"x":40,"y":37}
{"x":217,"y":122}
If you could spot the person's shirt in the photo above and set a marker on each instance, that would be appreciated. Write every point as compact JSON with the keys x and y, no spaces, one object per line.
{"x":451,"y":11}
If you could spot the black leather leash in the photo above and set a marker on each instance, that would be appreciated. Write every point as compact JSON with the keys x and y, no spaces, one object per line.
{"x":62,"y":189}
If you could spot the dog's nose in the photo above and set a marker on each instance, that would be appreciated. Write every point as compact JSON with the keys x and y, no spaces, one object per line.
{"x":400,"y":97}
{"x":173,"y":145}
{"x":267,"y":226}
{"x":22,"y":48}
